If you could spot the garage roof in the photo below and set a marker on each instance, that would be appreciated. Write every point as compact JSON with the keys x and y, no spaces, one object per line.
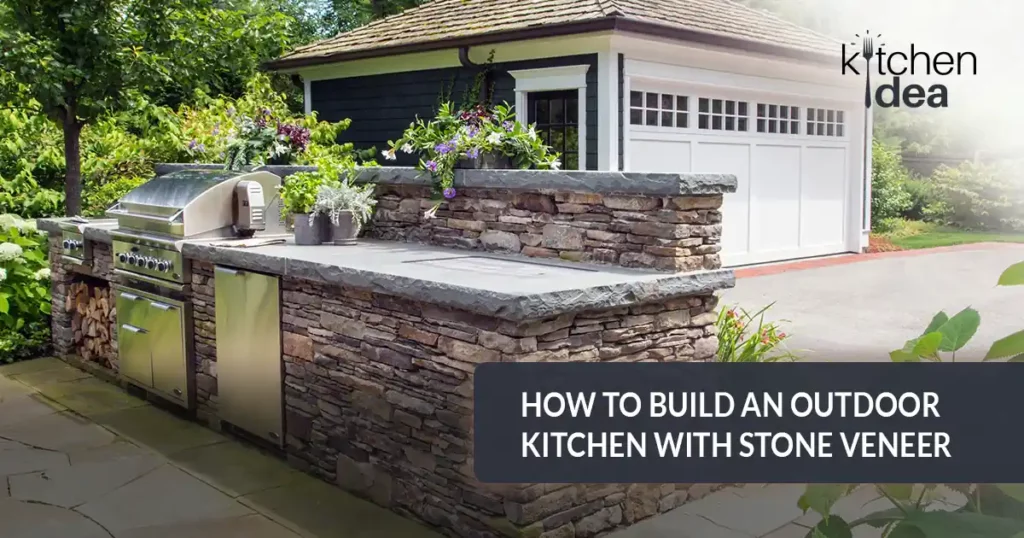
{"x":454,"y":23}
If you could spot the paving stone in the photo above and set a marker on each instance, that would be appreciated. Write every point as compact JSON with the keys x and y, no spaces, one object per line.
{"x":164,"y":496}
{"x":252,"y":526}
{"x":29,"y":520}
{"x":17,"y":409}
{"x":235,"y":469}
{"x":27,"y":460}
{"x":323,"y":510}
{"x":789,"y":531}
{"x":51,"y":375}
{"x":61,"y":432}
{"x":676,"y":524}
{"x":78,"y":484}
{"x":119,"y":449}
{"x":34,"y":365}
{"x":759,"y":512}
{"x":158,"y":430}
{"x":90,"y":397}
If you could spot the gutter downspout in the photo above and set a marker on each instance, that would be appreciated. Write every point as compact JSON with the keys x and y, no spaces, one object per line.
{"x":465,"y":61}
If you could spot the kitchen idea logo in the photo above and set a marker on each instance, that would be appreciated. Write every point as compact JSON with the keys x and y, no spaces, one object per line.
{"x":899,"y":63}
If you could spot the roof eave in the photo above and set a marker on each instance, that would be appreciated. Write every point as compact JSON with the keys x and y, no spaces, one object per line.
{"x":615,"y":23}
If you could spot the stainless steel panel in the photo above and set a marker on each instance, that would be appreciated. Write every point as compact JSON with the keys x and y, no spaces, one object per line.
{"x":156,"y":262}
{"x":165,"y":322}
{"x":249,"y":378}
{"x":133,"y":353}
{"x":73,"y":245}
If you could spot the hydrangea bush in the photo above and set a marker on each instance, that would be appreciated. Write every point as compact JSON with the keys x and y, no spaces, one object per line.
{"x":24,"y":289}
{"x":456,"y":135}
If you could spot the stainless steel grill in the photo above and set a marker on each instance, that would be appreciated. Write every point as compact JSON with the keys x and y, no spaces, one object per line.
{"x":74,"y":248}
{"x":153,"y":309}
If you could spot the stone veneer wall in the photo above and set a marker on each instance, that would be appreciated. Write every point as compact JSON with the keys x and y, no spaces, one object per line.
{"x":379,"y":399}
{"x":61,"y":277}
{"x":204,"y":319}
{"x":680,"y":233}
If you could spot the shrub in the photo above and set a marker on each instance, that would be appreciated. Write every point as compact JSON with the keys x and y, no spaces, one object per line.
{"x":889,"y":199}
{"x":31,"y":164}
{"x":925,"y":201}
{"x":980,"y":196}
{"x":24,"y":289}
{"x":745,"y":337}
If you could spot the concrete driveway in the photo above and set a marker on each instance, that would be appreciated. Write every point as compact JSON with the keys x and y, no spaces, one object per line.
{"x":862,"y":307}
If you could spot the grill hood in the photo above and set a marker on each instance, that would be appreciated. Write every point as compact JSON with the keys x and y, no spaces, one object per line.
{"x":191,"y":203}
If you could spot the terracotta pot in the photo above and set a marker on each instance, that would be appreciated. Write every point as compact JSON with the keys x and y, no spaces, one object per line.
{"x":306,"y":233}
{"x":486,"y":161}
{"x":345,"y":231}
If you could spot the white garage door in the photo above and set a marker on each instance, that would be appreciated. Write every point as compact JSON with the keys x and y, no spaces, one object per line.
{"x":791,"y":159}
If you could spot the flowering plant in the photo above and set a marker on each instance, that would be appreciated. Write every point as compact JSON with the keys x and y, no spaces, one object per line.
{"x":259,"y":139}
{"x":454,"y":135}
{"x":24,"y":289}
{"x":745,"y":337}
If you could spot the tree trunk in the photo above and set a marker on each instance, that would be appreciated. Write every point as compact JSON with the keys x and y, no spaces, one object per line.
{"x":73,"y":163}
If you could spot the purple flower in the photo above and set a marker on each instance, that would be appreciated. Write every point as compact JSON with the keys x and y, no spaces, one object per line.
{"x":449,"y":193}
{"x":472,"y":131}
{"x":508,"y":126}
{"x":216,"y":130}
{"x":231,"y":111}
{"x":432,"y":166}
{"x":473,"y":153}
{"x":442,"y":148}
{"x":192,"y":144}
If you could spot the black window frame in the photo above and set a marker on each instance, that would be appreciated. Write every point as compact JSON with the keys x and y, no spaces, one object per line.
{"x":569,"y":100}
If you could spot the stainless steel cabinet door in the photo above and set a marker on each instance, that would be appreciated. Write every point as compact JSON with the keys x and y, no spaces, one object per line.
{"x":133,"y":346}
{"x":166,"y":323}
{"x":249,"y":378}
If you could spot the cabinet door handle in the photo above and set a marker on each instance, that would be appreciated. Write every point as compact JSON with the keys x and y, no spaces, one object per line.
{"x":130,"y":296}
{"x":133,"y":329}
{"x":161,"y":306}
{"x":227,"y":270}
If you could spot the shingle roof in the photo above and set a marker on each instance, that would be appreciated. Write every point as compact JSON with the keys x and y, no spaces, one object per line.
{"x":449,"y":21}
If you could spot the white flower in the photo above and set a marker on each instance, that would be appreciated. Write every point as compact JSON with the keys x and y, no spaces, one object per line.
{"x":429,"y":214}
{"x":389,"y":154}
{"x":494,"y":138}
{"x":10,"y":221}
{"x":407,"y":147}
{"x":42,"y":274}
{"x":556,"y":164}
{"x":9,"y":251}
{"x":3,"y":274}
{"x":532,"y":134}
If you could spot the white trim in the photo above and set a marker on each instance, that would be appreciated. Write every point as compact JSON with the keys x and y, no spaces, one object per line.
{"x":868,"y":171}
{"x":307,"y":95}
{"x":608,"y":110}
{"x":626,"y":85}
{"x":570,"y":77}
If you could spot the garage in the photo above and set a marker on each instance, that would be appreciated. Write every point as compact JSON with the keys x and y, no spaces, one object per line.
{"x":794,"y":157}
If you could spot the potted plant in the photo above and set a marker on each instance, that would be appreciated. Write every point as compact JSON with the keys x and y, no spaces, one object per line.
{"x":480,"y":137}
{"x":347,"y":207}
{"x":298,"y":196}
{"x":264,"y":140}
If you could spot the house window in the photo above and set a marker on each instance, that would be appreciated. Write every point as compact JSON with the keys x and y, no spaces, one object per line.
{"x":780,"y":119}
{"x":721,"y":114}
{"x":556,"y":115}
{"x":826,"y":122}
{"x":659,"y":109}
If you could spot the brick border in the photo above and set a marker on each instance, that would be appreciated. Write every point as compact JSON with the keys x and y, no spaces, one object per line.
{"x":844,"y":259}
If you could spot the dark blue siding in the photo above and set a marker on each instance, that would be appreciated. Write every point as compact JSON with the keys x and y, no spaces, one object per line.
{"x":381,"y":106}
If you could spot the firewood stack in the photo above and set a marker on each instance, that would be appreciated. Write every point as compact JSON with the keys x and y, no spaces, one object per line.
{"x":93,"y":320}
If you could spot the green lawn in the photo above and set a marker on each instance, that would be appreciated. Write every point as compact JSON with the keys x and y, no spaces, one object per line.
{"x":943,"y":237}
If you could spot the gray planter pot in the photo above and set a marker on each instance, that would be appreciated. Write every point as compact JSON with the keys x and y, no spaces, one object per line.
{"x":486,"y":161}
{"x":306,"y":234}
{"x":346,"y":230}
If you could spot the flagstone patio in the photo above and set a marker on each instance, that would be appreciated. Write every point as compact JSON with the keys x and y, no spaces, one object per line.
{"x":80,"y":458}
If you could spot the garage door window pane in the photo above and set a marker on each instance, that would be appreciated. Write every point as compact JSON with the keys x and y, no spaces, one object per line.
{"x":652,"y":100}
{"x":682,"y":120}
{"x":704,"y":105}
{"x":636,"y":99}
{"x":682,"y":102}
{"x":652,"y":117}
{"x":730,"y":123}
{"x":702,"y":121}
{"x":636,"y":116}
{"x":742,"y":124}
{"x":666,"y":119}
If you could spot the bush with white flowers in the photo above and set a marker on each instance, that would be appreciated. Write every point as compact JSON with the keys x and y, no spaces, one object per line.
{"x":24,"y":290}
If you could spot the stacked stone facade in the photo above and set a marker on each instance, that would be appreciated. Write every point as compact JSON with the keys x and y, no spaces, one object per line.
{"x":204,"y":319}
{"x":674,"y":234}
{"x":379,"y":400}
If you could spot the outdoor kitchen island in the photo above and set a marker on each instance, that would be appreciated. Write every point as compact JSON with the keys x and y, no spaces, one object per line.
{"x":376,"y":343}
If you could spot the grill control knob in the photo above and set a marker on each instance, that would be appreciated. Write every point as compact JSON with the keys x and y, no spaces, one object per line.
{"x":67,"y":244}
{"x":163,"y":266}
{"x":141,"y":261}
{"x":122,"y":257}
{"x":150,"y":263}
{"x":76,"y":244}
{"x":131,"y":259}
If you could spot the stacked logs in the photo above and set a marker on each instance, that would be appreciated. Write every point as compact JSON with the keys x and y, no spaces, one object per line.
{"x":93,"y":321}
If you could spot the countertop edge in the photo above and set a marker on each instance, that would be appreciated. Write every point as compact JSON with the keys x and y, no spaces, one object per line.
{"x":506,"y":306}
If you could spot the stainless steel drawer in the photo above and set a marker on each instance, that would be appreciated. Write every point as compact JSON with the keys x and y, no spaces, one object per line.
{"x":166,"y":324}
{"x":133,"y":351}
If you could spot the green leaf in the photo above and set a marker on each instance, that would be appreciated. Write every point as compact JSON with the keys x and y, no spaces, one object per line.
{"x":959,"y":329}
{"x":1018,"y":358}
{"x":1013,"y":275}
{"x":831,"y":527}
{"x":903,"y":530}
{"x":1013,"y":490}
{"x":821,"y":497}
{"x":1006,"y":347}
{"x":939,"y":524}
{"x":4,"y":305}
{"x":900,"y":492}
{"x":937,"y":321}
{"x":925,"y":346}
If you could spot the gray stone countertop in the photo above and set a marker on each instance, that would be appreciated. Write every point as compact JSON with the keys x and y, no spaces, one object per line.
{"x":508,"y":287}
{"x":94,"y":230}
